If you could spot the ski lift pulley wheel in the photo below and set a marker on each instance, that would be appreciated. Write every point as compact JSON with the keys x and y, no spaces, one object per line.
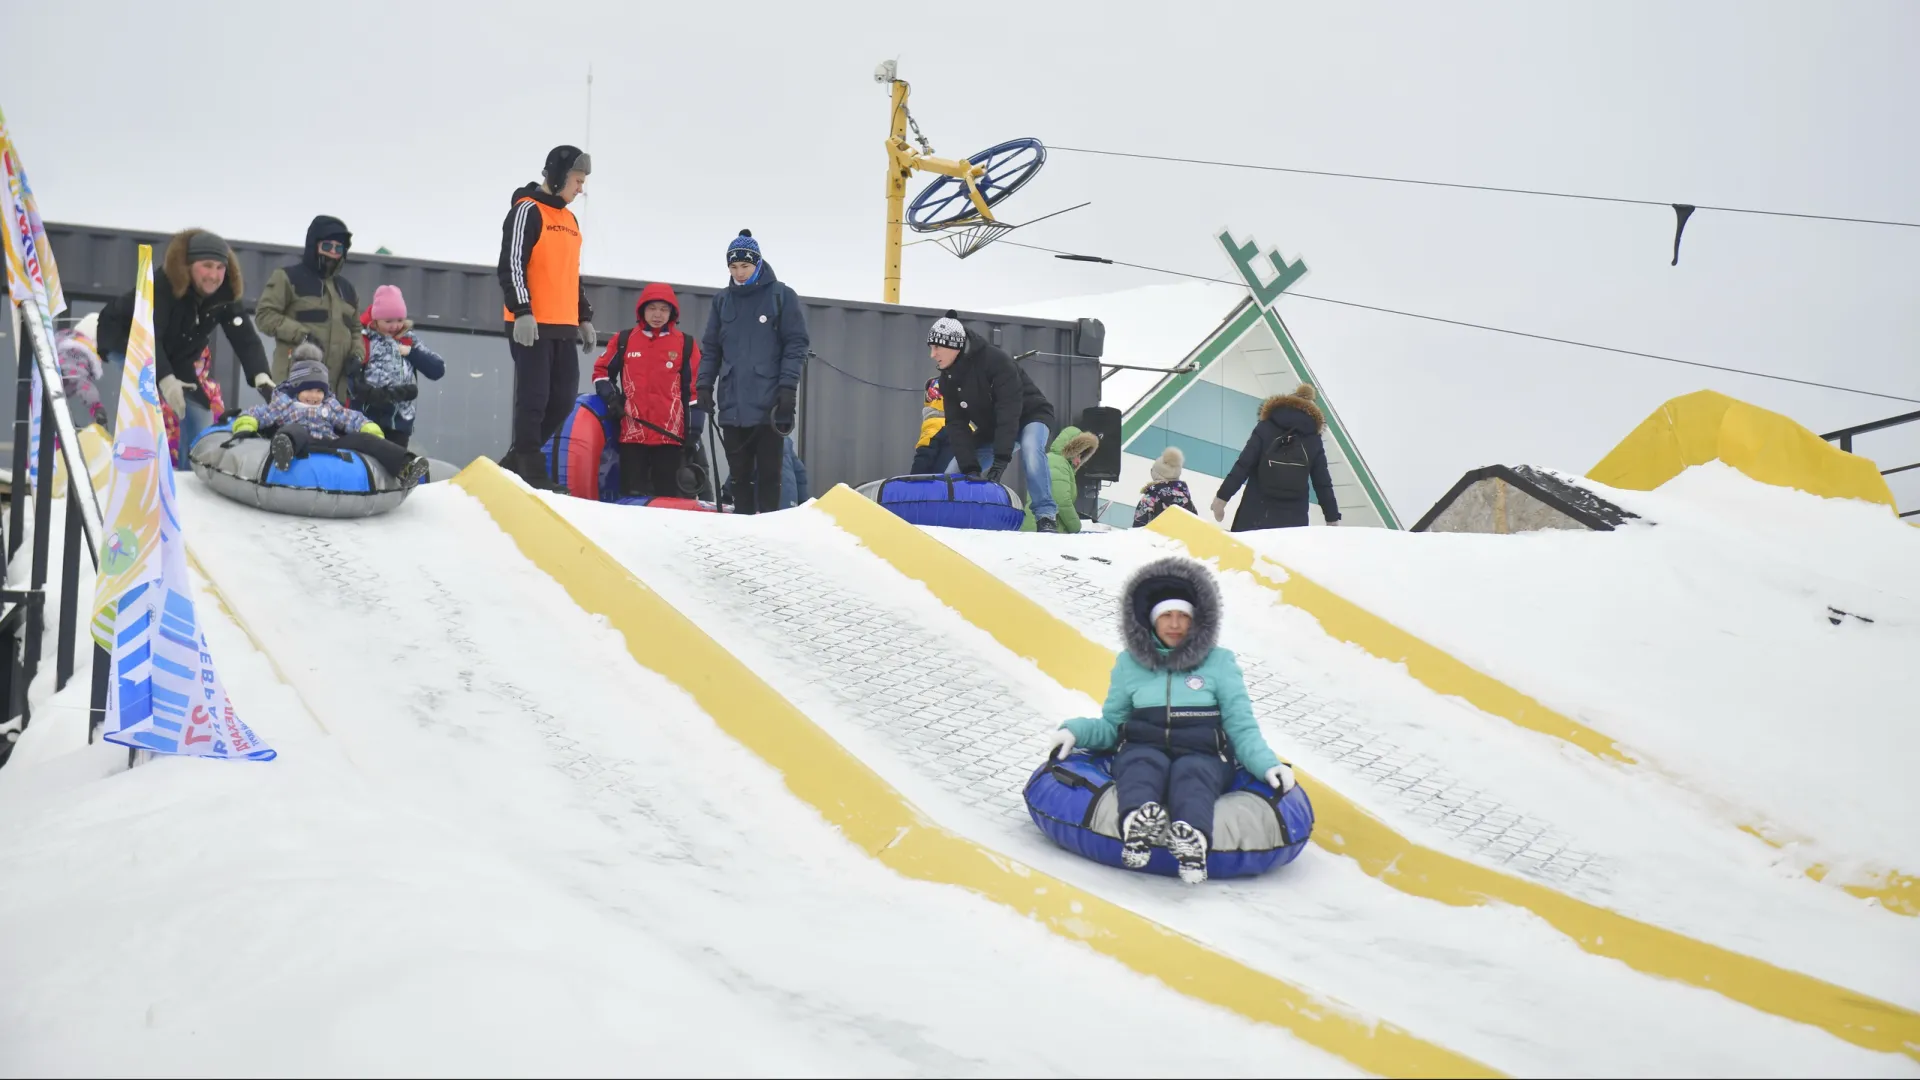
{"x":945,"y":203}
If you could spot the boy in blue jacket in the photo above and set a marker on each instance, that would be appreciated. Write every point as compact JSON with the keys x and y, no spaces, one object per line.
{"x":1177,"y":708}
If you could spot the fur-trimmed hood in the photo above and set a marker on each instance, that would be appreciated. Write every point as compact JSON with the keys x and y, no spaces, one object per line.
{"x":1301,"y":399}
{"x":1157,"y":581}
{"x":180,"y":278}
{"x":1072,"y":440}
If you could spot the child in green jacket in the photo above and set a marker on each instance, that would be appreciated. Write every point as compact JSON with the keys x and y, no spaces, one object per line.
{"x":1177,"y":708}
{"x":1070,"y":450}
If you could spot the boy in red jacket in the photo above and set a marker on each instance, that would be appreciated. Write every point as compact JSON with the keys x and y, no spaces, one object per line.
{"x":646,"y":377}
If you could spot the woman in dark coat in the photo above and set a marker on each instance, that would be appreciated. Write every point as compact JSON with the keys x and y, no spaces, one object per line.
{"x":1276,"y":495}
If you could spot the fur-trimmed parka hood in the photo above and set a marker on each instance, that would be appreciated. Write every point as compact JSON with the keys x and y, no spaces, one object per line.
{"x":180,"y":278}
{"x":1160,"y":580}
{"x":1072,"y":441}
{"x":1301,"y":399}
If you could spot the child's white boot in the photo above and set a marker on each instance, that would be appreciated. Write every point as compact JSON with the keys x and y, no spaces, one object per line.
{"x":1189,"y":849}
{"x":1143,"y":829}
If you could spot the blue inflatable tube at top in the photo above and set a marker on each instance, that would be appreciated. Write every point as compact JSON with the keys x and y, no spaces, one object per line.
{"x":955,"y":502}
{"x":1075,"y":803}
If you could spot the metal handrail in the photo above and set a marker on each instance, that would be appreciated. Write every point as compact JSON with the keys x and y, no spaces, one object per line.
{"x":1844,"y":437}
{"x":24,"y":612}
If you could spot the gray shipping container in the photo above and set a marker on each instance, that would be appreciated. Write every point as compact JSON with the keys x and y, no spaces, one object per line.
{"x":860,"y":396}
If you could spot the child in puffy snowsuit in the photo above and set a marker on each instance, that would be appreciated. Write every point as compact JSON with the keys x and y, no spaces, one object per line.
{"x":1167,"y":489}
{"x":386,"y":384}
{"x":308,"y":417}
{"x":647,"y":378}
{"x":931,"y":451}
{"x":1069,"y":450}
{"x":1177,"y":709}
{"x":80,"y":371}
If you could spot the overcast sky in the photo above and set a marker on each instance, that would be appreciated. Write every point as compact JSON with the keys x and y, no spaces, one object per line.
{"x":414,"y":122}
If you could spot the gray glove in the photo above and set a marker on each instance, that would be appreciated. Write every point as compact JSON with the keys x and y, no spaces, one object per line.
{"x":589,"y":338}
{"x":525,"y":331}
{"x":174,"y":393}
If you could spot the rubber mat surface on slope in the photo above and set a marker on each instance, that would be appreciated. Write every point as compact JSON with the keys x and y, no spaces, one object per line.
{"x":955,"y":721}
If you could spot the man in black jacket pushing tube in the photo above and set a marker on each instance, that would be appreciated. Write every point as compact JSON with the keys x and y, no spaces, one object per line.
{"x":993,"y":407}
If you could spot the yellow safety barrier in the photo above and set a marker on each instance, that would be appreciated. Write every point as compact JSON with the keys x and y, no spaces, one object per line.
{"x":885,"y":825}
{"x":1443,"y":673}
{"x":1344,"y":828}
{"x":1705,"y":426}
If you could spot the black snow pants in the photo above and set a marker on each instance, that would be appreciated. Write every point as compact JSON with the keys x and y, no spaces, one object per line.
{"x":754,"y":457}
{"x":546,"y":379}
{"x":391,"y":458}
{"x":651,"y":470}
{"x":1186,"y":783}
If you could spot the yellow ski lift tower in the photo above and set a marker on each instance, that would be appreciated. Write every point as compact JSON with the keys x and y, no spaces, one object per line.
{"x":958,"y":205}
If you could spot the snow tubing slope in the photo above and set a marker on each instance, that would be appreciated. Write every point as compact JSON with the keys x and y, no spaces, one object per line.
{"x":1896,"y":892}
{"x":324,"y":484}
{"x":1078,"y":663}
{"x":957,"y":502}
{"x":1076,"y":803}
{"x":874,"y":816}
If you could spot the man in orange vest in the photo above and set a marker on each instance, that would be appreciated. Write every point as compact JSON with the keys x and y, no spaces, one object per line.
{"x":546,"y":308}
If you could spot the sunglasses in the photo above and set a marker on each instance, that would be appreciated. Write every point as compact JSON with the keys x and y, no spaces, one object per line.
{"x":331,"y":247}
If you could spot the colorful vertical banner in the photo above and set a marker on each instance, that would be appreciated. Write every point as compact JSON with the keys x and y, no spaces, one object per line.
{"x":164,"y":694}
{"x":32,"y":278}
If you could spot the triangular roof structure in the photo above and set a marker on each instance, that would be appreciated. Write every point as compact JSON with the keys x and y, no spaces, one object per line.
{"x":1208,"y":412}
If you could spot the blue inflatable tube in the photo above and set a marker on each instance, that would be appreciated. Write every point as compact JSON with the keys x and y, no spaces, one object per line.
{"x":325,"y":483}
{"x":955,"y":502}
{"x":1076,"y":804}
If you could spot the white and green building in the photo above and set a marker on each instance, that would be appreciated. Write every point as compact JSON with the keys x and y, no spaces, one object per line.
{"x":1209,"y":411}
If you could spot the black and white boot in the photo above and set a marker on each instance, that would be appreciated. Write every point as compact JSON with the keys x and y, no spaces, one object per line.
{"x":1143,"y":829}
{"x":282,"y":450}
{"x":1046,"y":524}
{"x":1189,"y":849}
{"x":414,"y":471}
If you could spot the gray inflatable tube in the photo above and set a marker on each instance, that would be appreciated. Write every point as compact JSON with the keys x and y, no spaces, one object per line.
{"x":320,"y":485}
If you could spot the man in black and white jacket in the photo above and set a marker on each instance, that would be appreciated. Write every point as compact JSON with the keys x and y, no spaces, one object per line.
{"x":993,"y":407}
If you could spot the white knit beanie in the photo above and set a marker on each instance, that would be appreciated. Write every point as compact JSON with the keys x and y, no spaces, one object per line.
{"x":1169,"y":464}
{"x":1165,"y":606}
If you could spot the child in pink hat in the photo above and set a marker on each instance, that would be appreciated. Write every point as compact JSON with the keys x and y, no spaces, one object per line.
{"x":386,"y":385}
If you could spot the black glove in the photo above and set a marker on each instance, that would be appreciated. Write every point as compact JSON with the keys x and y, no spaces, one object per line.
{"x":970,"y":468}
{"x":266,"y":392}
{"x":406,"y":392}
{"x":785,"y":403}
{"x":999,"y":467}
{"x":373,"y":396}
{"x":617,"y":406}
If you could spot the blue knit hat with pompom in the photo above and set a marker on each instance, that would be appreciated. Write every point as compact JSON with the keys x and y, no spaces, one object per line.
{"x":744,"y":248}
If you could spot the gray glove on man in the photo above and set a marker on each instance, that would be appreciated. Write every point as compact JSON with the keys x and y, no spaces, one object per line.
{"x":589,"y":338}
{"x":525,"y":331}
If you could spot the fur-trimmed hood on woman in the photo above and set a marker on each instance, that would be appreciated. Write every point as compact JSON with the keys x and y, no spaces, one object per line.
{"x":175,"y":266}
{"x":1301,"y":399}
{"x":1160,"y":580}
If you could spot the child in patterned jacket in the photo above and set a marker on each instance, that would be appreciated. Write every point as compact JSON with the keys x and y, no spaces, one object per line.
{"x":1167,"y":489}
{"x":308,"y":417}
{"x":385,"y":386}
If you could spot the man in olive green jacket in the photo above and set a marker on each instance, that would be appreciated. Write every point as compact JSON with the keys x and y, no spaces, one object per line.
{"x":311,"y":299}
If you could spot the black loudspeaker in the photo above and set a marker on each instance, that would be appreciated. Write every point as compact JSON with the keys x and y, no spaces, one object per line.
{"x":1103,"y":421}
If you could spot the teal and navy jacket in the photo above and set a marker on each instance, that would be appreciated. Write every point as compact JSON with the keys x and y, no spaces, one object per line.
{"x":1202,"y":710}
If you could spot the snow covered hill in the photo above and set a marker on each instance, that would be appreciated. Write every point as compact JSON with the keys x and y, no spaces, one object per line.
{"x":495,"y":842}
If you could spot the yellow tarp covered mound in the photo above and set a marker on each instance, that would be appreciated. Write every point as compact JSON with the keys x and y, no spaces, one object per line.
{"x":1706,"y":426}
